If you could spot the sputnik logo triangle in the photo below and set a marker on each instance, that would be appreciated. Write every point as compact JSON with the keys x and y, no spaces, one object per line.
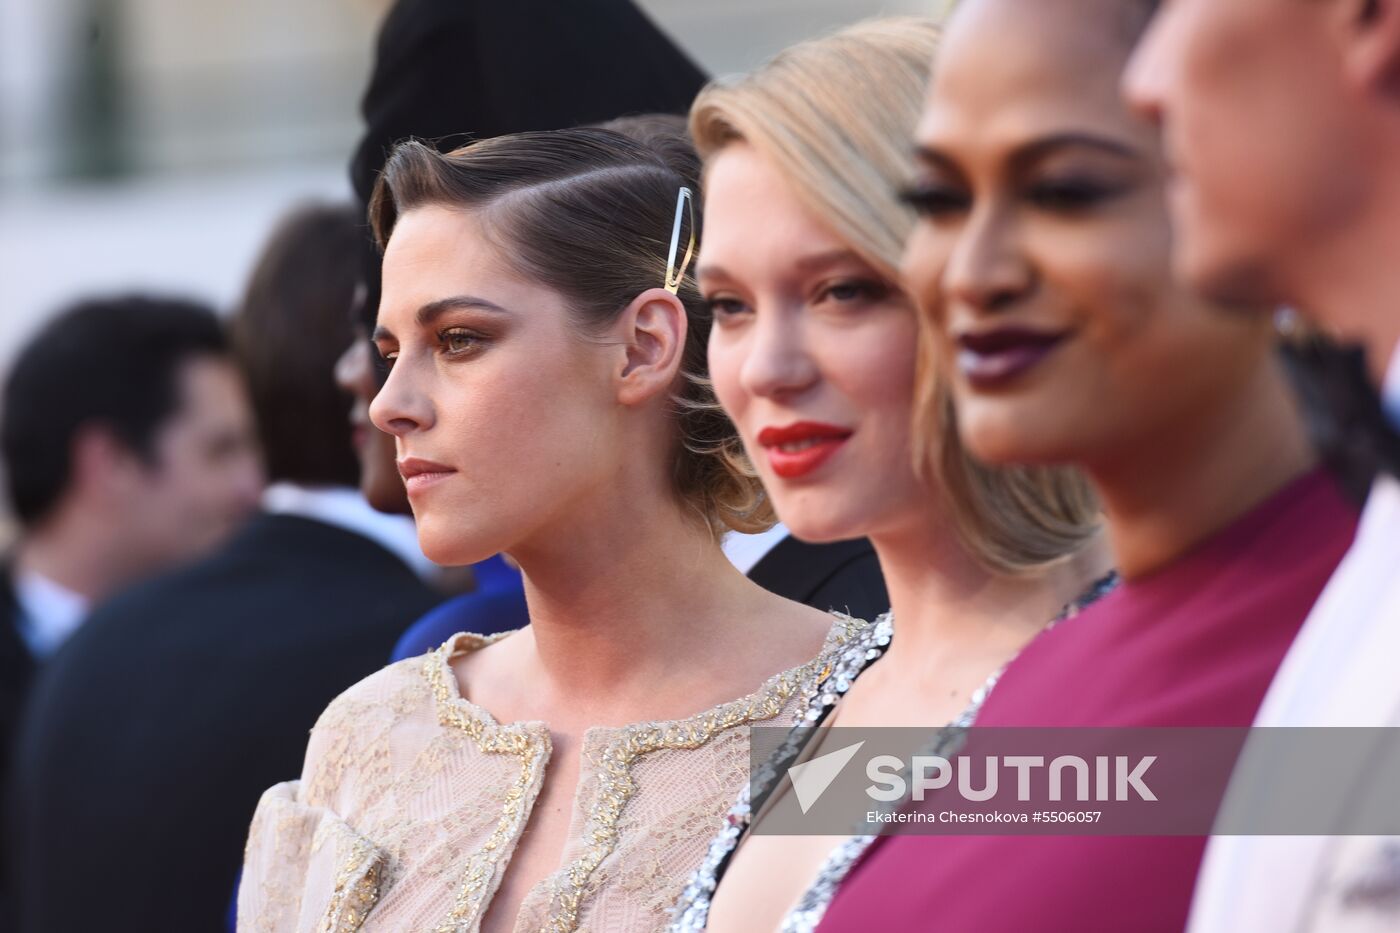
{"x":811,"y":778}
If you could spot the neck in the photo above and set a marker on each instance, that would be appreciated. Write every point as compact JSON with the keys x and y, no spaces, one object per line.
{"x":74,"y":554}
{"x":946,"y":603}
{"x":631,"y":591}
{"x":1178,"y":486}
{"x":1352,"y":283}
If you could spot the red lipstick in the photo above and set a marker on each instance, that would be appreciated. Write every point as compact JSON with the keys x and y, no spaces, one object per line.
{"x":993,"y":358}
{"x":798,"y":449}
{"x":419,"y":474}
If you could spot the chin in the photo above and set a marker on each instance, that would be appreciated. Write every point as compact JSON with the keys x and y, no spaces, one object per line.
{"x":1011,"y":443}
{"x":1211,"y":260}
{"x":823,"y":526}
{"x":450,"y":547}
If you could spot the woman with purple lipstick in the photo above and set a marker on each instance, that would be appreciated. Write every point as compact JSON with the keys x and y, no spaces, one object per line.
{"x":1042,"y":265}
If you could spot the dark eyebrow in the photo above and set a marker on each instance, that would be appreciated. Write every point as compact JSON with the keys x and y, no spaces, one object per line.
{"x":1034,"y":151}
{"x":433,"y":310}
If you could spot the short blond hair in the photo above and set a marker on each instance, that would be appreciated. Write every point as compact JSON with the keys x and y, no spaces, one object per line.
{"x":836,"y":115}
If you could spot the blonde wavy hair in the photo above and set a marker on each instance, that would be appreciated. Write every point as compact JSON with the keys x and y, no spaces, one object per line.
{"x":836,"y":115}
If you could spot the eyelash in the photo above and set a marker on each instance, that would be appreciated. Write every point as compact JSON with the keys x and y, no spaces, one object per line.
{"x":723,"y":309}
{"x":865,"y":290}
{"x":726,"y":309}
{"x":1064,"y":196}
{"x":459,"y":333}
{"x":443,"y":336}
{"x":934,"y":201}
{"x":1069,"y":195}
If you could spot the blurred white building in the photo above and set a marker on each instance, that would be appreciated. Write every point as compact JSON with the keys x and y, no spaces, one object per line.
{"x":151,"y":143}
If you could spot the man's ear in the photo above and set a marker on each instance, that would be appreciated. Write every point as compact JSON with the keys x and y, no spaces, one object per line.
{"x":652,"y":330}
{"x":1372,"y":56}
{"x":101,"y":463}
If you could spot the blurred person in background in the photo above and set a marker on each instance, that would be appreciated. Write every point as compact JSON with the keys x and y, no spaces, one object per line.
{"x":1043,"y":263}
{"x":128,"y":447}
{"x":1282,"y":120}
{"x":208,"y":678}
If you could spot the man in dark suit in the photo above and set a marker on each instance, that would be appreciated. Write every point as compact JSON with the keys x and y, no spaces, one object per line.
{"x":150,"y":737}
{"x":16,"y":666}
{"x":128,"y":447}
{"x":842,"y":575}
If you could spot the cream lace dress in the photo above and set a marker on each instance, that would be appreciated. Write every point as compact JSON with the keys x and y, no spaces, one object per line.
{"x":412,"y":800}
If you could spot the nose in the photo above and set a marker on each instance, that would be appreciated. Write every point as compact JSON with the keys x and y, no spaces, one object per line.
{"x":778,"y":362}
{"x":1146,"y":76}
{"x":402,"y":406}
{"x":247,"y":479}
{"x":353,"y":370}
{"x":251,"y":486}
{"x":987,"y":269}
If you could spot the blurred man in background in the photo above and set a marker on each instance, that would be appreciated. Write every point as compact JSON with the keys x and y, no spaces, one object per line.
{"x":148,"y":741}
{"x":1282,"y":120}
{"x":128,"y":447}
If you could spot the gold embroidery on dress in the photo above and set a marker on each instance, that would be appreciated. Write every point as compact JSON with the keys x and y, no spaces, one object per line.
{"x":616,"y":784}
{"x":351,"y":900}
{"x":368,"y":877}
{"x":615,"y":781}
{"x":481,"y":865}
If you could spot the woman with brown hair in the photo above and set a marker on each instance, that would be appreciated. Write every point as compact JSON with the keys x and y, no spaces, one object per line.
{"x":546,"y":389}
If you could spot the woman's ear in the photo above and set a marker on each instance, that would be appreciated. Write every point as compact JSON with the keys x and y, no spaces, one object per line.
{"x":652,"y":330}
{"x":1373,"y":53}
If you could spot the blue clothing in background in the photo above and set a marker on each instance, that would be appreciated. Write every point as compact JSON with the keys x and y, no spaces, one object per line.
{"x":496,"y":605}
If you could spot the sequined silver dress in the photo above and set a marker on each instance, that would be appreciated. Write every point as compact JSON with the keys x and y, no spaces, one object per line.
{"x":691,"y":912}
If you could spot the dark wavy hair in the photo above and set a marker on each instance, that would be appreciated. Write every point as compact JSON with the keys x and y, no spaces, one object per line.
{"x":113,"y":362}
{"x":589,"y":213}
{"x":288,"y":332}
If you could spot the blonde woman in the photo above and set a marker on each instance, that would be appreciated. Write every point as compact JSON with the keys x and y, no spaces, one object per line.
{"x":814,"y":355}
{"x":546,"y":393}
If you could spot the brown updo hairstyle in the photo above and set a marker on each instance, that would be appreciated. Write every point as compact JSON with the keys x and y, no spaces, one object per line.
{"x":589,"y":213}
{"x":836,"y":116}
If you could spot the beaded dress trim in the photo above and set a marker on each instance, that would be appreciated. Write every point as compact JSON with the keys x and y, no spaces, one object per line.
{"x":691,"y":912}
{"x":529,"y":742}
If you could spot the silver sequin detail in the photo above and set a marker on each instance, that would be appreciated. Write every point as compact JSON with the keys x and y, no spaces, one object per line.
{"x":692,"y":910}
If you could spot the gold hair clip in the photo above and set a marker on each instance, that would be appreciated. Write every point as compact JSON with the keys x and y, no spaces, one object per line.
{"x":674,"y":276}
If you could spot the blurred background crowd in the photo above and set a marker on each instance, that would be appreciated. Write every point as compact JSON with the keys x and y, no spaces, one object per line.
{"x":196,"y":498}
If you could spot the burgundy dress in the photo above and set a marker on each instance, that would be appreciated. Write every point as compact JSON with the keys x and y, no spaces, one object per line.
{"x":1192,"y":644}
